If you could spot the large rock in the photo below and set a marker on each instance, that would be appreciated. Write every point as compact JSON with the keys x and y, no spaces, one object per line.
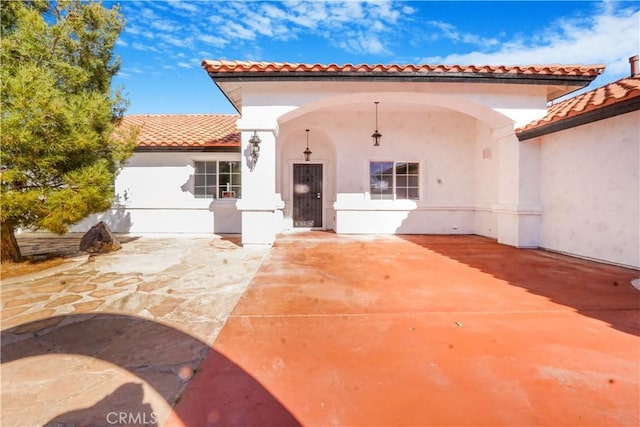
{"x":99,"y":239}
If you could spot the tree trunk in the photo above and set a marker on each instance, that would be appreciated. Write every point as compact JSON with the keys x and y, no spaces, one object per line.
{"x":10,"y":248}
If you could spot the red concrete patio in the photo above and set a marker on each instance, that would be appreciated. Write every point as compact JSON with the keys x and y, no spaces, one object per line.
{"x":423,"y":330}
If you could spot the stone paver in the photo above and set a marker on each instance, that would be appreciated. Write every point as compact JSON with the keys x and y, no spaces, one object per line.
{"x":114,"y":340}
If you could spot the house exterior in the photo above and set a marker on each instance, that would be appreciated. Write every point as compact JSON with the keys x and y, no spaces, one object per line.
{"x":463,"y":150}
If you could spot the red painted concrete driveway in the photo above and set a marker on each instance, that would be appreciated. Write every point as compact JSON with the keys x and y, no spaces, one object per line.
{"x":423,"y":330}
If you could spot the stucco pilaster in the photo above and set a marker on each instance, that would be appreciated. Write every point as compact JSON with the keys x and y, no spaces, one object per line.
{"x":518,"y":209}
{"x":260,"y":205}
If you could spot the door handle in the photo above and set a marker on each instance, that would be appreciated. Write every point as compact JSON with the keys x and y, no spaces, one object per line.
{"x":318,"y":195}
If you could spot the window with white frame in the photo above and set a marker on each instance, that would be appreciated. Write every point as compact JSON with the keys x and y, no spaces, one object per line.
{"x":217,"y":180}
{"x":394,"y":180}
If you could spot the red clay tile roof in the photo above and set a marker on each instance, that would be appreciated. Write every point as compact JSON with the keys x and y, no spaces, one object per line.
{"x":604,"y":96}
{"x":222,"y":66}
{"x":185,"y":130}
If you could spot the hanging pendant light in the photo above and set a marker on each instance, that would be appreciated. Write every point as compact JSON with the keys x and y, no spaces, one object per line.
{"x":376,"y":135}
{"x":307,"y":152}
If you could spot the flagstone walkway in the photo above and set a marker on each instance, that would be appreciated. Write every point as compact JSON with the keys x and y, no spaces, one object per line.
{"x":119,"y":333}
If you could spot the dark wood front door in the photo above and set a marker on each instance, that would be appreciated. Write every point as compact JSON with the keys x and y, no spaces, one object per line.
{"x":307,"y":195}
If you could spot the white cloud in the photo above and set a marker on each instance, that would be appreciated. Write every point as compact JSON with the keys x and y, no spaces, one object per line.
{"x":362,"y":43}
{"x":235,"y":30}
{"x":183,"y":64}
{"x":132,"y":29}
{"x":342,"y":12}
{"x":148,"y":15}
{"x":135,"y":70}
{"x":610,"y":36}
{"x":145,"y":47}
{"x":355,"y":26}
{"x":408,"y":10}
{"x":164,"y":25}
{"x":189,"y":7}
{"x":213,"y":40}
{"x":135,"y":30}
{"x":177,"y":40}
{"x":451,"y":32}
{"x":386,"y":11}
{"x":273,"y":12}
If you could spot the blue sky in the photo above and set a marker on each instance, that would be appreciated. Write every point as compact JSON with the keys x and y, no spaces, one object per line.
{"x":164,"y":42}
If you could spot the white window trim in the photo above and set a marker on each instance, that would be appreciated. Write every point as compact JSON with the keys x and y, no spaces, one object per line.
{"x":394,"y":199}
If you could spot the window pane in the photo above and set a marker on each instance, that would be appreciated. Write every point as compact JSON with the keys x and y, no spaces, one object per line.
{"x":381,"y":180}
{"x":407,"y":181}
{"x":238,"y":191}
{"x":225,"y":167}
{"x":381,"y":168}
{"x":229,"y":179}
{"x":381,"y":196}
{"x":199,"y":192}
{"x":381,"y":184}
{"x":205,"y":179}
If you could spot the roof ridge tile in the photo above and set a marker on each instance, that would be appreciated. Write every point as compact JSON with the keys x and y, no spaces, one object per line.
{"x":225,"y":66}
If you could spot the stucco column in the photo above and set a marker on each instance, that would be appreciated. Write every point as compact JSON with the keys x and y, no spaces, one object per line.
{"x":260,"y":206}
{"x":518,"y":209}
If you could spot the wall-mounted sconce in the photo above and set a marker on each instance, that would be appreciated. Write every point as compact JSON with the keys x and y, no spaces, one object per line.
{"x":307,"y":152}
{"x":255,"y":148}
{"x":376,"y":135}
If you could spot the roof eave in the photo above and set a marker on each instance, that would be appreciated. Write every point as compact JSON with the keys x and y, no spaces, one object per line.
{"x":438,"y":77}
{"x":188,"y":149}
{"x":616,"y":109}
{"x":237,"y":106}
{"x":559,"y":85}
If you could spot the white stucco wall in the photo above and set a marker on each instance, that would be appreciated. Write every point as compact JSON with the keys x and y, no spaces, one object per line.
{"x":486,"y":157}
{"x":425,"y":122}
{"x":511,"y":103}
{"x":441,"y":141}
{"x":291,"y":144}
{"x":155,"y":195}
{"x":590,"y":192}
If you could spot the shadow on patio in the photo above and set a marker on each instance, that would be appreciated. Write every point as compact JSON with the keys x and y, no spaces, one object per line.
{"x":597,"y":290}
{"x":162,"y":357}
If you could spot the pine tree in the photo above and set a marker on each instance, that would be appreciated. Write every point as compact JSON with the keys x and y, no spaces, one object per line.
{"x":60,"y":150}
